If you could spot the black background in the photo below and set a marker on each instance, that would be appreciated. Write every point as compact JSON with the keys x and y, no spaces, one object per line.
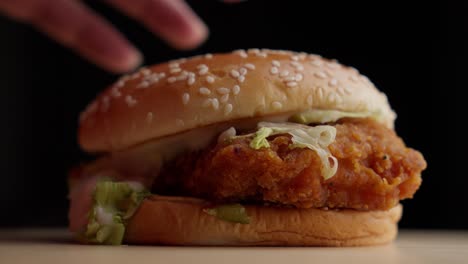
{"x":412,"y":53}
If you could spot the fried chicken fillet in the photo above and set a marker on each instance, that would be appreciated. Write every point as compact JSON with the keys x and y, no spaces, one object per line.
{"x":376,"y":170}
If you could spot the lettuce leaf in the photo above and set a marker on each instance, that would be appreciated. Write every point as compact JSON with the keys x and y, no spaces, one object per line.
{"x":235,"y":213}
{"x":114,"y":203}
{"x":316,"y":138}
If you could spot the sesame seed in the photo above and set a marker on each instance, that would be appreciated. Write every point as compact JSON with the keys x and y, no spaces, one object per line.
{"x":320,"y":75}
{"x":332,"y":65}
{"x":235,"y":73}
{"x":261,"y":54}
{"x":203,"y":71}
{"x":274,"y":70}
{"x":241,"y":53}
{"x":309,"y":100}
{"x":182,"y":76}
{"x":191,"y":74}
{"x":354,"y":78}
{"x":173,"y":65}
{"x":171,"y":79}
{"x":250,"y":66}
{"x":208,"y":56}
{"x":224,"y":98}
{"x":191,"y":80}
{"x":201,"y":66}
{"x":162,"y":75}
{"x":253,"y":51}
{"x":243,"y":71}
{"x":215,"y":103}
{"x":204,"y":91}
{"x":276,"y":63}
{"x":320,"y":93}
{"x":236,"y":89}
{"x":340,"y":90}
{"x":314,"y":57}
{"x":175,"y":70}
{"x":116,"y":92}
{"x":347,"y":90}
{"x":130,"y":101}
{"x":294,"y":64}
{"x":277,"y":105}
{"x":143,"y":84}
{"x":328,"y":72}
{"x":290,"y":79}
{"x":153,"y":78}
{"x":317,"y":63}
{"x":300,"y":68}
{"x":331,"y":98}
{"x":227,"y":109}
{"x":185,"y":98}
{"x":333,"y":82}
{"x":241,"y":78}
{"x":294,"y":58}
{"x":210,"y":79}
{"x":299,"y":77}
{"x":145,"y":72}
{"x":353,"y":70}
{"x":120,"y":84}
{"x":149,"y":117}
{"x":180,"y":122}
{"x":284,"y":73}
{"x":207,"y":102}
{"x":135,"y":75}
{"x":223,"y":90}
{"x":291,"y":84}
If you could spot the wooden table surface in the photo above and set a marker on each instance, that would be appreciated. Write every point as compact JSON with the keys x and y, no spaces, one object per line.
{"x":55,"y":246}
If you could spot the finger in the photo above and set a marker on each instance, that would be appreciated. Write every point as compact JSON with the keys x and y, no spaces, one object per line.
{"x":172,"y":20}
{"x":74,"y":25}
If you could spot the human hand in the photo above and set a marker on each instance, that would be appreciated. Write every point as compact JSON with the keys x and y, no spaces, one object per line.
{"x":78,"y":27}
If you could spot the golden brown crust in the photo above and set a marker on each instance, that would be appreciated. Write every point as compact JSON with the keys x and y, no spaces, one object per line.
{"x":181,"y":95}
{"x":181,"y":221}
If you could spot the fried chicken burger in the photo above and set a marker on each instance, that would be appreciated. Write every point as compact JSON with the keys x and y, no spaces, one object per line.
{"x":256,"y":147}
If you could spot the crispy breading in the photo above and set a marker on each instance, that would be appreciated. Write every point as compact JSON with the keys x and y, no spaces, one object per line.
{"x":375,"y":171}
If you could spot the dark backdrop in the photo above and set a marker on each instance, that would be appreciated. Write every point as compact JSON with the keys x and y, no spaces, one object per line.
{"x":410,"y":52}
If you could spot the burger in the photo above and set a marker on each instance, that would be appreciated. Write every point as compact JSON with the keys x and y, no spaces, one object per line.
{"x":252,"y":147}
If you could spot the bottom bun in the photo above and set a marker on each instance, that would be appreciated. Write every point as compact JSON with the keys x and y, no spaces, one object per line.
{"x":181,"y":221}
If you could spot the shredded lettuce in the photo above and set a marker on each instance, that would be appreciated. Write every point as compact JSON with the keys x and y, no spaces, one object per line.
{"x":316,"y":138}
{"x":326,"y":116}
{"x":260,"y":138}
{"x":114,"y":203}
{"x":235,"y":213}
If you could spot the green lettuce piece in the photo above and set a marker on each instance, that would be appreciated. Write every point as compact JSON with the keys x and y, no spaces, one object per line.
{"x":235,"y":213}
{"x":326,"y":116}
{"x":260,"y":138}
{"x":316,"y":138}
{"x":114,"y":203}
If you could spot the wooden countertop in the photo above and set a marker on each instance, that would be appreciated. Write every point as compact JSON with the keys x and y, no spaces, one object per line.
{"x":55,"y":246}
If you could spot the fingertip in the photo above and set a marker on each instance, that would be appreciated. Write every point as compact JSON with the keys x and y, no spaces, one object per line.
{"x":127,"y":62}
{"x":194,"y":37}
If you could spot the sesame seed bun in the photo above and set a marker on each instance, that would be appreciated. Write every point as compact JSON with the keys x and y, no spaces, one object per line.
{"x":181,"y":221}
{"x":173,"y":97}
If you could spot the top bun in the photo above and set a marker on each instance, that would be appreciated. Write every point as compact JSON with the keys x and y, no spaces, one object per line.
{"x":172,"y":97}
